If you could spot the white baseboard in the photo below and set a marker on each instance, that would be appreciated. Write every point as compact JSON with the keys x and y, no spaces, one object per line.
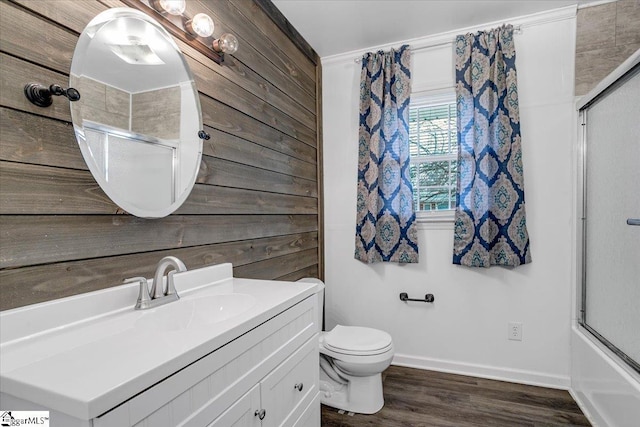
{"x":484,"y":371}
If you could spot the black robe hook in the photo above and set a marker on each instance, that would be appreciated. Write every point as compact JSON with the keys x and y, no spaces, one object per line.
{"x":41,"y":95}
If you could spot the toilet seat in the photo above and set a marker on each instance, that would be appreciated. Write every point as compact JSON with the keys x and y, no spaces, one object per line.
{"x":357,"y":341}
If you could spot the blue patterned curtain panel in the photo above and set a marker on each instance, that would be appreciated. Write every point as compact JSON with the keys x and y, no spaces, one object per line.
{"x":385,"y":224}
{"x":490,"y":224}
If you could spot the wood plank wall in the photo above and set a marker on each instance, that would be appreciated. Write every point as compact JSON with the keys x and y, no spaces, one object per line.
{"x":257,"y":197}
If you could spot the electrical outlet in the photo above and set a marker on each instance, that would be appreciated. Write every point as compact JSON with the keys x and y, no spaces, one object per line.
{"x":514,"y":332}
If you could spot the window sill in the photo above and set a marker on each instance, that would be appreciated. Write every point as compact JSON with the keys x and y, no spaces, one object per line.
{"x":435,"y":220}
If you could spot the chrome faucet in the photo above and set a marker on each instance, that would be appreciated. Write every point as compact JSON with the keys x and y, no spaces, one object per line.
{"x":158,"y":295}
{"x":166,"y":262}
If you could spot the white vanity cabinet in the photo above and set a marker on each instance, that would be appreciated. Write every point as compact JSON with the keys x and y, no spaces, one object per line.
{"x":256,"y":372}
{"x":171,"y":366}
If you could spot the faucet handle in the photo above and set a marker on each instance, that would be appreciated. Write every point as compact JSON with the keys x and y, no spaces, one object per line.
{"x":171,"y":286}
{"x":144,"y":297}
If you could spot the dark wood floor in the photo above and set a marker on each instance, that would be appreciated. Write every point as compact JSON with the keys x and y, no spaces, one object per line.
{"x":419,"y":398}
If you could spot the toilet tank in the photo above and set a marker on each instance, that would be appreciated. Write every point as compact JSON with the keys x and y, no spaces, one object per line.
{"x":319,"y":295}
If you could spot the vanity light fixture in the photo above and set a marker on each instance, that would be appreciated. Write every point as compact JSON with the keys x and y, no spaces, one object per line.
{"x":200,"y":25}
{"x":171,"y":13}
{"x":174,"y":7}
{"x":227,"y":43}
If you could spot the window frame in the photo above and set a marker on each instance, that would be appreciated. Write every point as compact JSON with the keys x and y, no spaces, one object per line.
{"x":421,"y":99}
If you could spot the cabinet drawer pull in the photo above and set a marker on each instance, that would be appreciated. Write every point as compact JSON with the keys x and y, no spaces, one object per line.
{"x":260,"y":413}
{"x":298,"y":386}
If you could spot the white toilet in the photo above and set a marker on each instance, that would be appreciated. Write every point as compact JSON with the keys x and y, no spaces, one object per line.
{"x":351,"y":361}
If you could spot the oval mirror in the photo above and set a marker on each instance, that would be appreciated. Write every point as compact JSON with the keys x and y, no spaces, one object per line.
{"x":138,"y":117}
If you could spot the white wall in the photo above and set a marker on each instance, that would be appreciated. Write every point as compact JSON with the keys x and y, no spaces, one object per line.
{"x":465,"y":330}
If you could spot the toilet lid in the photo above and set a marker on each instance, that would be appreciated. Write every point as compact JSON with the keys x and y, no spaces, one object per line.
{"x":357,"y":340}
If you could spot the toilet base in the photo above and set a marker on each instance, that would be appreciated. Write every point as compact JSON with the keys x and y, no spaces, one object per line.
{"x":362,"y":395}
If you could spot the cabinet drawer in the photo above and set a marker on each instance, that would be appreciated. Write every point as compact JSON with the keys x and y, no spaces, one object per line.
{"x":287,"y":391}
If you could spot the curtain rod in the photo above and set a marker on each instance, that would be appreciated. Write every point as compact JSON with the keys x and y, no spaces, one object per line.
{"x":517,"y":29}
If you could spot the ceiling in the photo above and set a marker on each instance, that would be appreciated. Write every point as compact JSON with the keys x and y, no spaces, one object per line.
{"x":332,"y":27}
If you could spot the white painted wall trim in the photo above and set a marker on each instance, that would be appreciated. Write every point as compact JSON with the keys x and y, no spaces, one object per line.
{"x":438,"y":40}
{"x":436,"y":225}
{"x":484,"y":371}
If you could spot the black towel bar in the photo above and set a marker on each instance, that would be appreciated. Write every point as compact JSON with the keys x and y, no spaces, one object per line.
{"x":427,"y":298}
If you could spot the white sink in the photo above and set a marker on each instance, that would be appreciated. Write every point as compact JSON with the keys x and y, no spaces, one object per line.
{"x":197,"y":312}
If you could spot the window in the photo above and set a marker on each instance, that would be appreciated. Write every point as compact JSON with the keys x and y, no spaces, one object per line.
{"x":434,"y":154}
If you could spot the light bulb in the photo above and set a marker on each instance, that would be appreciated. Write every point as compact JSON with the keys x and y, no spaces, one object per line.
{"x":174,"y":7}
{"x":201,"y":25}
{"x":227,"y":43}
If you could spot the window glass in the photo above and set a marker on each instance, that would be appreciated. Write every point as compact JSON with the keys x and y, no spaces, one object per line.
{"x":434,"y":153}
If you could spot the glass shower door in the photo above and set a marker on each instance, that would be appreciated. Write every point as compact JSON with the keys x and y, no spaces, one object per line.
{"x":611,"y":267}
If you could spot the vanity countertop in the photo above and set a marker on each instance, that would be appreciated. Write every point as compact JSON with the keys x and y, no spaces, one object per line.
{"x":64,"y":356}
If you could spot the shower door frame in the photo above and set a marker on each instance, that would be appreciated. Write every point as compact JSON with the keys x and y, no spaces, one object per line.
{"x":618,"y":77}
